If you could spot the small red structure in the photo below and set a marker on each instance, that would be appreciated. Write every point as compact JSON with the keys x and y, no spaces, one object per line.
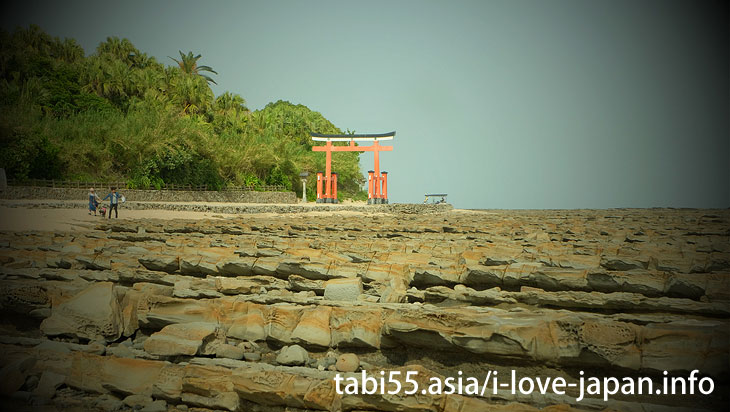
{"x":377,"y":183}
{"x":319,"y":187}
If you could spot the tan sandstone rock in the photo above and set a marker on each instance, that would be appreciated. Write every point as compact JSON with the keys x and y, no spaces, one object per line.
{"x":180,"y":339}
{"x":91,"y":314}
{"x":347,"y":362}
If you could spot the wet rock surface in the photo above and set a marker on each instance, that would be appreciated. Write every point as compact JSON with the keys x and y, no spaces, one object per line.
{"x":261,"y":312}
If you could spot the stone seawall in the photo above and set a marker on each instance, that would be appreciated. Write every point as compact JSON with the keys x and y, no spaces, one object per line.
{"x":30,"y":192}
{"x":406,"y":208}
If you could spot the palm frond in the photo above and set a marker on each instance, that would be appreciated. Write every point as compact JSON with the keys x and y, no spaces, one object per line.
{"x":207,"y":69}
{"x":208,"y":79}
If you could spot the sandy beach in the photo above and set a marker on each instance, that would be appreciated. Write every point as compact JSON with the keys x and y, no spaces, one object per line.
{"x":20,"y":219}
{"x":15,"y":216}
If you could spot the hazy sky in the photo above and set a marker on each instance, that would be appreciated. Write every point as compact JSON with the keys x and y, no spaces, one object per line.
{"x":500,"y":104}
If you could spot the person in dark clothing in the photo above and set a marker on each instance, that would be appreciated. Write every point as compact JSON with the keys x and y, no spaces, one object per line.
{"x":114,"y":199}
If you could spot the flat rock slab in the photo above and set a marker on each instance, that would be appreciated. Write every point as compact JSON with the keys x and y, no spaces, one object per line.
{"x":343,"y":289}
{"x":180,"y":339}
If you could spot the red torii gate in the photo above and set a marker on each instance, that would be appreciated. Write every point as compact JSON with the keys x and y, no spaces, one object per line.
{"x":377,"y":182}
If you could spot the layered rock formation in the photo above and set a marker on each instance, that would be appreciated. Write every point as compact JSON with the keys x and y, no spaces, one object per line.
{"x":261,"y":312}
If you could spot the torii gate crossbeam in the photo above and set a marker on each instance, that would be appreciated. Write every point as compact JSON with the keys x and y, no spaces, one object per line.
{"x":377,"y":182}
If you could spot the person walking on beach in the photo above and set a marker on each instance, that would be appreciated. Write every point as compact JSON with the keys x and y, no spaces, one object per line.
{"x":114,"y":199}
{"x":93,"y":201}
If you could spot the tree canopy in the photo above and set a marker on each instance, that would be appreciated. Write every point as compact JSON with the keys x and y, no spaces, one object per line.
{"x":120,"y":114}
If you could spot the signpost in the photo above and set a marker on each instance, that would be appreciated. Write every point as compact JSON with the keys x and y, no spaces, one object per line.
{"x":303,"y":178}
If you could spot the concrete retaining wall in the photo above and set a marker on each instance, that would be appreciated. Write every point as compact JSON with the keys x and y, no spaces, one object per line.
{"x":30,"y":192}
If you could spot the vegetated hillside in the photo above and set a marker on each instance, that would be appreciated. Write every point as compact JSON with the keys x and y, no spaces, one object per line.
{"x":120,"y":114}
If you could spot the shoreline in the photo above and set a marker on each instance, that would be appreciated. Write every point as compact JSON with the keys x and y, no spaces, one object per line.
{"x":237,"y":208}
{"x":60,"y":215}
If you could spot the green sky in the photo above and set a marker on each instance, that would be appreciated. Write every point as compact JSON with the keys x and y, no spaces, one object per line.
{"x":501,"y":104}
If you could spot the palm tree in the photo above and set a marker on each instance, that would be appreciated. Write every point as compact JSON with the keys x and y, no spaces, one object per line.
{"x":189,"y":64}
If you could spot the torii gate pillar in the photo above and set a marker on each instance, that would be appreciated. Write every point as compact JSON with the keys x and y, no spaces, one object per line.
{"x":377,"y":183}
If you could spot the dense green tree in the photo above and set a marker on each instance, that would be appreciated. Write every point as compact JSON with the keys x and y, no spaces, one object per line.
{"x":191,"y":93}
{"x":230,"y":113}
{"x":146,"y":80}
{"x":68,"y":51}
{"x":111,"y":79}
{"x":118,"y":49}
{"x":120,"y":114}
{"x":229,"y":102}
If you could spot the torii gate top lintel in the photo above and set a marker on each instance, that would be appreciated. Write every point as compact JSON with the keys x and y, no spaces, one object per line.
{"x":351,"y":137}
